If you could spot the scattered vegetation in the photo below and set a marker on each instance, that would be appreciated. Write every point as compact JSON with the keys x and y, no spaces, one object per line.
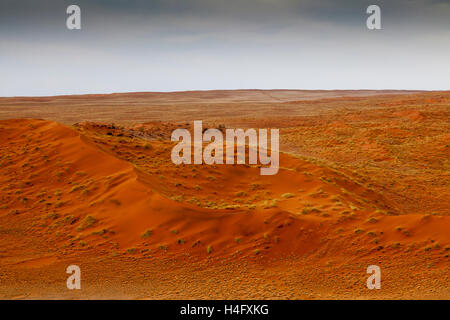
{"x":87,"y":222}
{"x":256,"y":186}
{"x":77,"y":187}
{"x":146,"y":234}
{"x":270,"y":204}
{"x":288,"y":195}
{"x":308,"y":210}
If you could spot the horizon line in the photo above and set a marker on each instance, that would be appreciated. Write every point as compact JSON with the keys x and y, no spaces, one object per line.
{"x":215,"y":90}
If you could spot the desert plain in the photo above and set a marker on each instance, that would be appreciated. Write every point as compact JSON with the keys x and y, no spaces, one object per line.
{"x":363,"y":180}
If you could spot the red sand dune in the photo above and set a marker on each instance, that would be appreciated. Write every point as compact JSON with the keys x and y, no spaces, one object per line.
{"x":46,"y":159}
{"x":87,"y":194}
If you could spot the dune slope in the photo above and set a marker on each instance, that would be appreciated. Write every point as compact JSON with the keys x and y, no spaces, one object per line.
{"x":86,"y":193}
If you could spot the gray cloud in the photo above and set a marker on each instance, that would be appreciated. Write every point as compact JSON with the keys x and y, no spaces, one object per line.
{"x":205,"y":44}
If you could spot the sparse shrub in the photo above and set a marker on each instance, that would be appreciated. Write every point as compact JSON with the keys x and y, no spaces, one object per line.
{"x":288,"y":195}
{"x":87,"y":222}
{"x":70,"y":219}
{"x":325,"y":179}
{"x":195,"y":201}
{"x":308,"y":210}
{"x":131,"y":250}
{"x":76,"y":188}
{"x":271,"y":204}
{"x":178,"y":198}
{"x":305,"y":211}
{"x":146,"y":234}
{"x":256,"y":186}
{"x":100,"y":232}
{"x":53,"y":216}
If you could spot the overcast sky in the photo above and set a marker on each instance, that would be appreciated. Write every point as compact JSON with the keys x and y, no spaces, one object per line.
{"x":172,"y":45}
